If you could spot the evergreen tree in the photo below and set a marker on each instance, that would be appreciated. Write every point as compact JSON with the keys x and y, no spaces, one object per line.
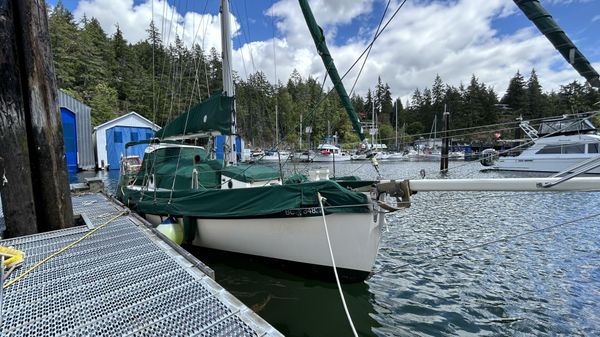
{"x":516,"y":96}
{"x":536,"y":102}
{"x":93,"y":60}
{"x":64,"y":40}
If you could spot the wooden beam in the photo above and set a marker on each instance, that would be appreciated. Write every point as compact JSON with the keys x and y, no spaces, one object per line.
{"x":15,"y":174}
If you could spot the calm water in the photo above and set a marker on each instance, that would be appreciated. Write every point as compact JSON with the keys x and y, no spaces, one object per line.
{"x":427,"y":282}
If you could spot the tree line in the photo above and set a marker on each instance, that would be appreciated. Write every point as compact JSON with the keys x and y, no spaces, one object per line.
{"x":160,"y":81}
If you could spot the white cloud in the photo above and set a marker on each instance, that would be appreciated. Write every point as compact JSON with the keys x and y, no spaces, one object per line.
{"x":134,"y":20}
{"x":596,"y":18}
{"x":454,"y":39}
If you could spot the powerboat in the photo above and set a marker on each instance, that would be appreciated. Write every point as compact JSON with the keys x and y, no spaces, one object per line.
{"x":556,"y":146}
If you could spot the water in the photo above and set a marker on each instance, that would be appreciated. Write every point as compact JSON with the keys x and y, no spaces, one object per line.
{"x":426,"y":280}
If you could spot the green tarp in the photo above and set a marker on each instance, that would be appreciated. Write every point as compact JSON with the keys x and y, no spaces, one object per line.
{"x":173,"y":167}
{"x":210,"y":116}
{"x":250,"y":173}
{"x":286,"y":200}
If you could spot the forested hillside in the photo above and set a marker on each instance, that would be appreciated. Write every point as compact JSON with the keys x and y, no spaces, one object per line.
{"x":114,"y":77}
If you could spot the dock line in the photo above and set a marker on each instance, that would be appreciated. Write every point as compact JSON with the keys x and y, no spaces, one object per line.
{"x":337,"y":278}
{"x":22,"y":275}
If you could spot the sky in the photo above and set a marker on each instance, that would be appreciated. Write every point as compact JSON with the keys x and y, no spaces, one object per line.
{"x":455,"y":39}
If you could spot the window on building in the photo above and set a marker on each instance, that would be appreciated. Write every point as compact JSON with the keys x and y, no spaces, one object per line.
{"x":593,"y":148}
{"x":574,"y":148}
{"x":134,"y":137}
{"x":118,"y":135}
{"x":549,"y":149}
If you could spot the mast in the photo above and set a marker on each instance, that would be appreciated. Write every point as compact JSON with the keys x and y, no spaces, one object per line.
{"x":396,"y":125}
{"x":548,"y":26}
{"x":317,"y":34}
{"x":228,"y":87}
{"x":373,"y":124}
{"x":300,"y":131}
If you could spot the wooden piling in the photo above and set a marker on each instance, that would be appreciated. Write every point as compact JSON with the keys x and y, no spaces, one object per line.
{"x":16,"y":187}
{"x":34,"y":93}
{"x":445,"y":142}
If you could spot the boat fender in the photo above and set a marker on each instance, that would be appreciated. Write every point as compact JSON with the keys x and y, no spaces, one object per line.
{"x":488,"y":157}
{"x":172,"y":229}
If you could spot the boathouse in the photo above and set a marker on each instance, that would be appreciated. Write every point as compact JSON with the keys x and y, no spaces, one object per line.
{"x":220,"y":142}
{"x":112,"y":136}
{"x":77,"y":133}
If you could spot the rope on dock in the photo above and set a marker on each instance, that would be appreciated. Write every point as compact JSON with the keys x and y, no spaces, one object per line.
{"x":22,"y":275}
{"x":337,"y":278}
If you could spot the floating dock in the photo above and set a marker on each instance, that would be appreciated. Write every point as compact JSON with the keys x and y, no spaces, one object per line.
{"x":123,"y":279}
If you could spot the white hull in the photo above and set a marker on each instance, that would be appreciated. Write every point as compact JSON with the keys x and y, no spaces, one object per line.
{"x":330,"y":158}
{"x":274,"y":157}
{"x":354,"y":238}
{"x":540,"y":164}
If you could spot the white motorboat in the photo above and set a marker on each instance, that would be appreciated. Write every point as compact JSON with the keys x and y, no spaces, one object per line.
{"x":330,"y":153}
{"x":557,"y":145}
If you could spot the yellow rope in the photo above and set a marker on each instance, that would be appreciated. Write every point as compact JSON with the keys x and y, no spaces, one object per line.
{"x":22,"y":275}
{"x":14,"y":256}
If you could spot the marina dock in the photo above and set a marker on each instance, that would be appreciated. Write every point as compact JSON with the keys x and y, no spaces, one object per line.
{"x":122,"y":279}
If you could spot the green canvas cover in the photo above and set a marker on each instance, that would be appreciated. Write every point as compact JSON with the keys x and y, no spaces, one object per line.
{"x":535,"y":12}
{"x":286,"y":200}
{"x":173,"y":167}
{"x":210,"y":116}
{"x":250,"y":173}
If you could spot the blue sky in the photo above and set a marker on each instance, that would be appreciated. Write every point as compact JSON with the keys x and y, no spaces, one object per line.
{"x":455,"y":39}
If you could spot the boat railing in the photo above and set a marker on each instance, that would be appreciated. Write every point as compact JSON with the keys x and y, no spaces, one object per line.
{"x":529,"y":130}
{"x":574,"y":171}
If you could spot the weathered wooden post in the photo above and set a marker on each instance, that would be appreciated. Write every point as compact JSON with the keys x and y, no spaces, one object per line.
{"x":15,"y":172}
{"x":24,"y":26}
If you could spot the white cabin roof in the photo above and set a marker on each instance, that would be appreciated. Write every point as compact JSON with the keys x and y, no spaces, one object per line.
{"x":127,"y":120}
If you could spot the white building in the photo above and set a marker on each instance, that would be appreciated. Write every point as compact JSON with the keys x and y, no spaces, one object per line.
{"x":111,"y":137}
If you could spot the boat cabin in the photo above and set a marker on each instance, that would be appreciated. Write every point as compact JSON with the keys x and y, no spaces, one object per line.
{"x":566,"y":126}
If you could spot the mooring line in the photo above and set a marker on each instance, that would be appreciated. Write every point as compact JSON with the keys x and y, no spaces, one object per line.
{"x":337,"y":278}
{"x":22,"y":275}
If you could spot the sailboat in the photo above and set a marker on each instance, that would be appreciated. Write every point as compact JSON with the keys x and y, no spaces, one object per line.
{"x":246,"y":208}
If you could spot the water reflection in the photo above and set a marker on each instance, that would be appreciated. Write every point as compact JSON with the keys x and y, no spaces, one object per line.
{"x":295,"y":303}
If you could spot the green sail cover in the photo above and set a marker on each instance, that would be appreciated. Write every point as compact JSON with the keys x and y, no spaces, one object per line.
{"x":210,"y":116}
{"x":280,"y":200}
{"x":250,"y":173}
{"x":173,"y":167}
{"x":319,"y":39}
{"x":549,"y":27}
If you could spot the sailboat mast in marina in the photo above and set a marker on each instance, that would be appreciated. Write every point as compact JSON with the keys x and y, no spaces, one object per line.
{"x":228,"y":87}
{"x":245,"y":208}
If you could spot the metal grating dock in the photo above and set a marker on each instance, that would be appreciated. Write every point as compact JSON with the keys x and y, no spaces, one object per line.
{"x":121,"y":280}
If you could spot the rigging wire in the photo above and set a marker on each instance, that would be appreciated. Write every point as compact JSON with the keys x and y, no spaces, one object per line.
{"x":360,"y":56}
{"x":370,"y":48}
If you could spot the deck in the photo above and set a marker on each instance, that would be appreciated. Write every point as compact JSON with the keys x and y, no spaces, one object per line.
{"x":121,"y":280}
